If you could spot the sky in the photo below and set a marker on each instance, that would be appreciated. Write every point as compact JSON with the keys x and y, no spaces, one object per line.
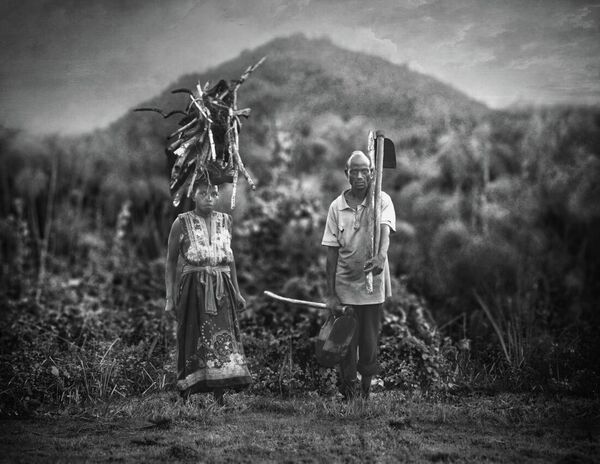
{"x":71,"y":66}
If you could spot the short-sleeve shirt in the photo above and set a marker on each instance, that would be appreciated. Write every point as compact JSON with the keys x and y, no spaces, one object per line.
{"x":348,"y":229}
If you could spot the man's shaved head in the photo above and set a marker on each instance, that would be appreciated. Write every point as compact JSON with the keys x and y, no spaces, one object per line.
{"x":357,"y":155}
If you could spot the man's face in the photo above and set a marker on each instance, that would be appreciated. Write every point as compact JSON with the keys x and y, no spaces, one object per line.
{"x":359,"y":173}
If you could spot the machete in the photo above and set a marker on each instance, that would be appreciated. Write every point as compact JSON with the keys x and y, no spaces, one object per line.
{"x":310,"y":304}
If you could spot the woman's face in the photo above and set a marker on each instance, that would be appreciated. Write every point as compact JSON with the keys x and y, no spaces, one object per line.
{"x":206,"y":197}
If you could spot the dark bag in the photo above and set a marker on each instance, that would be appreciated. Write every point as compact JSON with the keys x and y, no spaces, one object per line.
{"x":334,"y":339}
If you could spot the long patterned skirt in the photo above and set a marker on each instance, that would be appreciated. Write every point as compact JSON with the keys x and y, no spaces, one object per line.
{"x":210,"y":354}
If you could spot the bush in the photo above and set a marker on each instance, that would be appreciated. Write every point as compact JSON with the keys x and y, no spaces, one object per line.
{"x":74,"y":345}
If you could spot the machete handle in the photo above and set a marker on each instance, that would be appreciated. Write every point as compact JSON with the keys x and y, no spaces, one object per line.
{"x":310,"y":304}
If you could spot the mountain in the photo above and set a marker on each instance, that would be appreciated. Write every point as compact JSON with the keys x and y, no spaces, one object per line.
{"x":318,"y":94}
{"x":317,"y":76}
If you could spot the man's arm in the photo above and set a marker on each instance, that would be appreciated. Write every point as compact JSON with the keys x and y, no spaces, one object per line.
{"x":384,"y":243}
{"x":333,"y":302}
{"x":388,"y":225}
{"x":377,"y":263}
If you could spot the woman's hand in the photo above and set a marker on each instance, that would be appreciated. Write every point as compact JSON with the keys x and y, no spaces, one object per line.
{"x":169,"y":305}
{"x":241,"y":302}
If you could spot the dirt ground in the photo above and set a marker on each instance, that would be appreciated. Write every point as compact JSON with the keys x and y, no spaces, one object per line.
{"x":388,"y":428}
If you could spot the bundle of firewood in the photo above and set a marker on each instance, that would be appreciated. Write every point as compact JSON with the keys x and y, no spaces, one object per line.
{"x":206,"y":145}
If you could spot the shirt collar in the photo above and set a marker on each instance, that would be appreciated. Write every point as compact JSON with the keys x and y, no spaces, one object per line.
{"x":343,"y":204}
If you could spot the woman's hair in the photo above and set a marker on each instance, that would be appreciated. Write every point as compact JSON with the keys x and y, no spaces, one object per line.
{"x":202,"y":181}
{"x":203,"y":185}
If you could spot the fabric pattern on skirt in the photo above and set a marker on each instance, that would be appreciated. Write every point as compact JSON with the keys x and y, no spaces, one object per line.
{"x":210,"y":352}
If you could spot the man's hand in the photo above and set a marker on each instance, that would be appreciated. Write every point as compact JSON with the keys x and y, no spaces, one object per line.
{"x":375,"y":265}
{"x":334,"y":306}
{"x":169,"y":305}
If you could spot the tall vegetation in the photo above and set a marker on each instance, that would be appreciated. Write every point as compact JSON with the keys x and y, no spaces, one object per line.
{"x":497,"y":220}
{"x":506,"y":233}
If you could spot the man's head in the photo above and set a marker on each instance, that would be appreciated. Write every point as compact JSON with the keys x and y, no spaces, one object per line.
{"x":359,"y":170}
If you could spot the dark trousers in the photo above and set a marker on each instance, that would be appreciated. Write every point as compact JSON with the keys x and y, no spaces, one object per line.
{"x":364,"y":347}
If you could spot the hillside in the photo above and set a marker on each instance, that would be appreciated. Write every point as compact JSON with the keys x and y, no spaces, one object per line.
{"x":302,"y":81}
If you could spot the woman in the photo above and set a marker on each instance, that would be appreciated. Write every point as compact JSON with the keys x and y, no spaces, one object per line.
{"x":210,"y":355}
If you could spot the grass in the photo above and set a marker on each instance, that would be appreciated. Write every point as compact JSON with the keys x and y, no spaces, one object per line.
{"x":390,"y":427}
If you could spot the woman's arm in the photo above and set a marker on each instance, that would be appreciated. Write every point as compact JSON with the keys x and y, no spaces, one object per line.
{"x":241,"y":302}
{"x":171,"y":264}
{"x":234,"y":280}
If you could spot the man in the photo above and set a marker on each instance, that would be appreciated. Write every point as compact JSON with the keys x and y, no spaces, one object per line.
{"x":348,"y":241}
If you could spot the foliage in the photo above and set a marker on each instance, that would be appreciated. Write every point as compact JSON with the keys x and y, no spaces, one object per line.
{"x":104,"y":335}
{"x":279,"y":339}
{"x":80,"y":343}
{"x":496,"y":239}
{"x":500,"y":240}
{"x":414,"y":356}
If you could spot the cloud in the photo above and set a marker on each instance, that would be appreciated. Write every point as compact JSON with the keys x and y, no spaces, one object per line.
{"x":112,"y":54}
{"x":582,"y":18}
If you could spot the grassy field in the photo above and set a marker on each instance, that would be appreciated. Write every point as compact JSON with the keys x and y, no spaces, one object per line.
{"x":388,"y":428}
